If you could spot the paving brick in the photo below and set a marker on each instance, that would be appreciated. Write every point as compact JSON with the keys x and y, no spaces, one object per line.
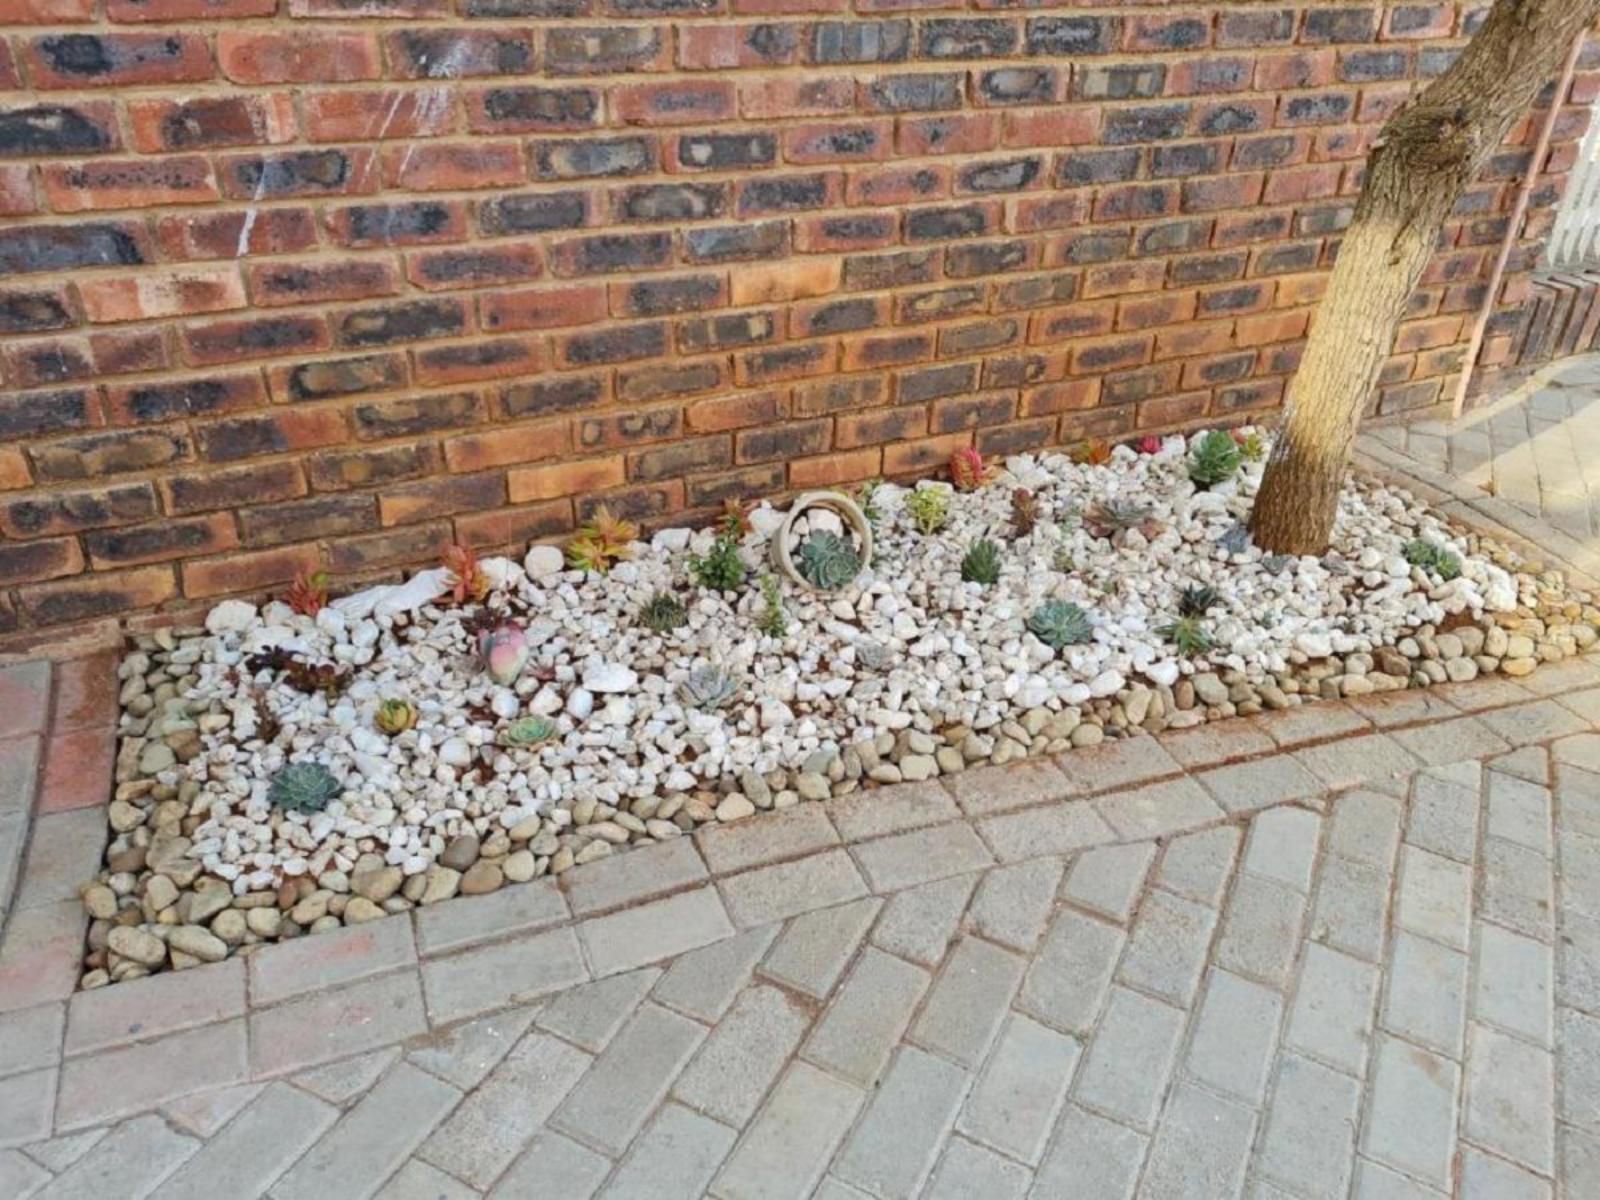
{"x":371,"y":1140}
{"x":612,"y":1101}
{"x":1158,"y":809}
{"x":492,"y":1125}
{"x":284,"y":970}
{"x":675,"y":1156}
{"x":968,"y":1170}
{"x":1484,"y":1177}
{"x":1210,"y":744}
{"x":26,"y":1104}
{"x":1283,"y":846}
{"x":1484,"y":692}
{"x":468,"y":920}
{"x":1578,"y":1077}
{"x":1198,"y":865}
{"x":31,"y":1038}
{"x":814,"y":949}
{"x":788,"y":834}
{"x":1332,"y":1015}
{"x":879,"y":811}
{"x":1091,"y":1157}
{"x":704,"y":982}
{"x":1129,"y":1058}
{"x":1375,"y":759}
{"x":590,"y":1014}
{"x":1235,"y":1036}
{"x":1351,"y":906}
{"x":1377,"y":1182}
{"x":163,"y":1003}
{"x":892,"y":1151}
{"x":1519,"y":812}
{"x":500,"y":975}
{"x":1426,"y":997}
{"x":1510,"y":1105}
{"x":1109,"y":879}
{"x":1167,"y":948}
{"x":1450,"y":741}
{"x":651,"y":932}
{"x":1411,"y":1118}
{"x":1066,"y":984}
{"x":132,"y":1160}
{"x":907,"y":859}
{"x":1307,"y":1140}
{"x":1407,"y":707}
{"x":24,"y":697}
{"x":1513,"y":983}
{"x":255,"y":1148}
{"x":1117,"y":764}
{"x":1014,"y":1103}
{"x":919,"y":922}
{"x":612,"y":882}
{"x":1444,"y":817}
{"x":21,"y":1177}
{"x":786,"y":1149}
{"x":1516,"y":889}
{"x":985,"y":791}
{"x":64,"y":850}
{"x":78,"y":769}
{"x":1311,"y":723}
{"x":1260,"y":930}
{"x":1247,"y":786}
{"x":1536,"y":721}
{"x":556,"y":1166}
{"x":784,"y":890}
{"x":1365,"y":828}
{"x":961,"y":1015}
{"x":334,"y":1024}
{"x":117,"y":1083}
{"x":1051,"y":829}
{"x":1434,"y":897}
{"x":464,"y":1053}
{"x":349,"y":1078}
{"x":59,"y":1153}
{"x":1201,"y":1146}
{"x":418,"y":1181}
{"x":867,"y":1018}
{"x":19,"y":773}
{"x":743,"y":1055}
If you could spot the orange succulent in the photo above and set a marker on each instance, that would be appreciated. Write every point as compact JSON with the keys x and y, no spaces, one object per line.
{"x":470,"y":581}
{"x":308,"y":594}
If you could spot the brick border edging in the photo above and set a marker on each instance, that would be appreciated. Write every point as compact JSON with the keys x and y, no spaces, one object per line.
{"x":298,"y":1004}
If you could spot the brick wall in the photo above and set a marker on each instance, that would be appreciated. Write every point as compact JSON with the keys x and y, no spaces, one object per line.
{"x":297,"y":282}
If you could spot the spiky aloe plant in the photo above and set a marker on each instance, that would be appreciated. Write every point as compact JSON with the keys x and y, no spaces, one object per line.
{"x":663,"y":613}
{"x":1431,"y":556}
{"x":827,"y":561}
{"x":1060,"y":623}
{"x":774,"y":618}
{"x":1188,"y":635}
{"x":1091,"y":452}
{"x":981,"y":564}
{"x":721,"y":568}
{"x":303,"y":787}
{"x":1214,"y":458}
{"x":602,"y":541}
{"x":929,"y":509}
{"x":1197,"y":600}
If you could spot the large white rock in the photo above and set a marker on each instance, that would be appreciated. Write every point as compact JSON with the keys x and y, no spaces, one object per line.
{"x":542,"y":562}
{"x":231,"y":616}
{"x":610,"y":677}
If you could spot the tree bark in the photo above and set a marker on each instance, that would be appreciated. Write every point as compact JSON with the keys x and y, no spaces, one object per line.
{"x":1421,"y":163}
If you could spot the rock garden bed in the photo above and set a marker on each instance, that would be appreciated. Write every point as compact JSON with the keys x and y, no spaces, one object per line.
{"x":314,"y":763}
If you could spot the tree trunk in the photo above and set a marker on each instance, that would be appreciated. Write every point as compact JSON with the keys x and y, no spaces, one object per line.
{"x":1421,"y":163}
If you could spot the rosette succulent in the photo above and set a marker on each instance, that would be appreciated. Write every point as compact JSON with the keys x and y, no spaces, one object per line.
{"x":663,"y":613}
{"x":827,"y":561}
{"x":304,"y":787}
{"x":929,"y":509}
{"x":1060,"y":623}
{"x":1214,"y":458}
{"x":394,"y":717}
{"x":1188,"y":635}
{"x":968,"y":471}
{"x":1197,"y":600}
{"x":981,"y":565}
{"x":708,"y":688}
{"x":1431,"y":556}
{"x":528,"y":731}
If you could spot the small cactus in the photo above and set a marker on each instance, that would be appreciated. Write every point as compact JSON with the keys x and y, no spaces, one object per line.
{"x":968,"y":471}
{"x":1431,"y":556}
{"x":308,"y":594}
{"x":1188,"y":635}
{"x":1060,"y":623}
{"x":505,"y":652}
{"x":394,"y":717}
{"x":708,"y":688}
{"x":304,"y":787}
{"x":528,"y":731}
{"x":1024,"y":512}
{"x":981,"y":565}
{"x":663,"y":613}
{"x":929,"y":509}
{"x":1214,"y":458}
{"x":827,"y":561}
{"x":602,"y":541}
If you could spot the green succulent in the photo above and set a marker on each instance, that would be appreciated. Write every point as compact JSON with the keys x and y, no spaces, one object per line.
{"x":721,"y":568}
{"x":981,"y":564}
{"x":708,"y":688}
{"x":827,"y":561}
{"x":1253,"y":447}
{"x":1215,"y":458}
{"x":1062,"y":560}
{"x":1188,"y":635}
{"x":303,"y":787}
{"x":774,"y":619}
{"x":529,"y":731}
{"x":1196,"y":601}
{"x":1060,"y":623}
{"x":929,"y":509}
{"x":663,"y":613}
{"x":1107,"y":518}
{"x":867,"y":499}
{"x":1431,"y":556}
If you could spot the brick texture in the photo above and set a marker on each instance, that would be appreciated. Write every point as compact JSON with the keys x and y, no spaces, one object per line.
{"x":400,"y":263}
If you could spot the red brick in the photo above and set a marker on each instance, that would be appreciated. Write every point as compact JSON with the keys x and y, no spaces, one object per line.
{"x":258,"y":337}
{"x":551,"y":482}
{"x":188,"y":10}
{"x":1277,"y":327}
{"x":248,"y":571}
{"x":50,"y":12}
{"x":103,"y":593}
{"x":761,"y":99}
{"x":171,"y":294}
{"x":17,"y":194}
{"x":236,"y":234}
{"x":166,"y":125}
{"x":1075,"y":126}
{"x":129,"y":183}
{"x":337,"y":116}
{"x":455,"y":166}
{"x":951,"y":133}
{"x":676,"y":103}
{"x":317,"y":281}
{"x":116,"y":59}
{"x":297,"y":57}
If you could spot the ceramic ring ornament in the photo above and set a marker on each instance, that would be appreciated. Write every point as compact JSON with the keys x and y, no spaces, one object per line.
{"x":846,"y":509}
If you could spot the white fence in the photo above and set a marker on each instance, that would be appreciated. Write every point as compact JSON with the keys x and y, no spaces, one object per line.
{"x":1575,"y":241}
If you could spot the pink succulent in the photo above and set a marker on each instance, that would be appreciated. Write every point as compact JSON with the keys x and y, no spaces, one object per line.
{"x":505,"y":652}
{"x":1149,"y":444}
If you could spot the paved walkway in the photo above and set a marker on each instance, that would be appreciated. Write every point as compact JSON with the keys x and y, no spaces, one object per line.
{"x":1350,"y":949}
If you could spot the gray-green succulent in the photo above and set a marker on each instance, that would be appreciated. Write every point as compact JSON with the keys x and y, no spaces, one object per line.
{"x":529,"y":731}
{"x":1060,"y":623}
{"x":1431,"y":556}
{"x":981,"y":564}
{"x":305,"y":787}
{"x":708,"y":688}
{"x":827,"y":561}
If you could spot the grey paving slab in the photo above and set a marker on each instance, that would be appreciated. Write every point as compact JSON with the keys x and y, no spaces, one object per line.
{"x":893,"y":1149}
{"x":255,"y":1148}
{"x":814,"y":948}
{"x":1425,"y":999}
{"x":1332,"y":1016}
{"x":734,"y":1068}
{"x":1201,"y":1147}
{"x":1411,"y":1118}
{"x":969,"y":999}
{"x":1129,"y":1058}
{"x":788,"y":1146}
{"x":1108,"y":880}
{"x":1091,"y":1156}
{"x":918,"y":923}
{"x":1308,"y":1142}
{"x":1013,"y":904}
{"x":1016,"y":1100}
{"x":673,"y":1159}
{"x":1235,"y":1036}
{"x":704,"y":982}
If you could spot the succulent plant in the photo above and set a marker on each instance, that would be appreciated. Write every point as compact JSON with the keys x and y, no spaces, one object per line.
{"x":308,"y":594}
{"x":1252,"y":445}
{"x":1214,"y":458}
{"x":394,"y":717}
{"x":827,"y":561}
{"x":325,"y":678}
{"x":1107,"y":518}
{"x":721,"y":568}
{"x":303,"y":787}
{"x":1060,"y":623}
{"x":1197,"y":600}
{"x":663,"y":613}
{"x":1091,"y":452}
{"x":470,"y":582}
{"x":929,"y":509}
{"x":981,"y":564}
{"x":601,"y":542}
{"x":866,"y":500}
{"x":1061,"y":559}
{"x":528,"y":731}
{"x":708,"y":688}
{"x":505,"y":652}
{"x":774,"y":618}
{"x":1188,"y":635}
{"x":1149,"y":444}
{"x":1431,"y":556}
{"x":968,"y":471}
{"x":1024,"y":512}
{"x":735,"y":519}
